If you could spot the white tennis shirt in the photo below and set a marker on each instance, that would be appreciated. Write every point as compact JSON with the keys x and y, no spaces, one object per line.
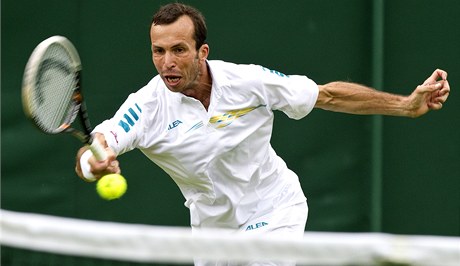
{"x":221,"y":159}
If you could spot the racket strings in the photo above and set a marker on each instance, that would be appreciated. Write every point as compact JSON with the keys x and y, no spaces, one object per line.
{"x":55,"y":86}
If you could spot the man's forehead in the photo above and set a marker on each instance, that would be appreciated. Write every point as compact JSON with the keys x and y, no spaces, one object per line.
{"x":182,"y":27}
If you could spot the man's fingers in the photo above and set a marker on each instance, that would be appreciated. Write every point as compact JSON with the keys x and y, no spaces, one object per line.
{"x":435,"y":105}
{"x":442,"y":74}
{"x":439,"y":73}
{"x":439,"y":96}
{"x":435,"y":76}
{"x":114,"y":167}
{"x":445,"y":87}
{"x":429,"y":87}
{"x":98,"y":167}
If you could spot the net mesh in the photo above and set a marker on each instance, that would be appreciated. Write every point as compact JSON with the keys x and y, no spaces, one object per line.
{"x":55,"y":84}
{"x":31,"y":239}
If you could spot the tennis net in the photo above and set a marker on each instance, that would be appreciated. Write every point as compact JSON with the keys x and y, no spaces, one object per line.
{"x":35,"y":239}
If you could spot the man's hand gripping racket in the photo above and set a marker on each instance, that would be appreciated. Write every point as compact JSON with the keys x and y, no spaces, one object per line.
{"x":52,"y":96}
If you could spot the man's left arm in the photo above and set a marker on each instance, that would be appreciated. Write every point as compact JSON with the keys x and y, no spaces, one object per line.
{"x":354,"y":98}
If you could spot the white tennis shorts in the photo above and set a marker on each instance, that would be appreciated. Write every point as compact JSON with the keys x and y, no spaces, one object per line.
{"x":288,"y":222}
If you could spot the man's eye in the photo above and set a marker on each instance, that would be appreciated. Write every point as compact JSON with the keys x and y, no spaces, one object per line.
{"x":179,"y":50}
{"x":158,"y":51}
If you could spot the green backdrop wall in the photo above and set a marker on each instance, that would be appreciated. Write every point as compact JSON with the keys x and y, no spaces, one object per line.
{"x":360,"y":173}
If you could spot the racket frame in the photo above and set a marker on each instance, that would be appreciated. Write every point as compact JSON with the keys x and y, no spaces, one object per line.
{"x":79,"y":107}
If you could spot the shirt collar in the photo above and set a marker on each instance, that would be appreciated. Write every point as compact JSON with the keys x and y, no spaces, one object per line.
{"x":219,"y":79}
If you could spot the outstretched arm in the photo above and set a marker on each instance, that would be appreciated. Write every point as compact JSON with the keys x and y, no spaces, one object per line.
{"x":354,"y":98}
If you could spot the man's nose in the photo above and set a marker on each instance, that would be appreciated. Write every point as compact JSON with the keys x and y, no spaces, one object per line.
{"x":170,"y":60}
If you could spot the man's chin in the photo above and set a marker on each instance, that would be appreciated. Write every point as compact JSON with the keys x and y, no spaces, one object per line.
{"x":173,"y":87}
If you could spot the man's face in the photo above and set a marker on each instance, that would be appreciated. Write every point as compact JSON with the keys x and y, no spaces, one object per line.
{"x":175,"y":56}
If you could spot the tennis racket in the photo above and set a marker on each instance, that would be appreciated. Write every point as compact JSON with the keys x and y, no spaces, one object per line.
{"x":51,"y":92}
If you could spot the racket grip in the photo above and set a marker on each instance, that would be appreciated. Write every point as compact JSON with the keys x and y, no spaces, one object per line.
{"x":99,"y":153}
{"x":98,"y":150}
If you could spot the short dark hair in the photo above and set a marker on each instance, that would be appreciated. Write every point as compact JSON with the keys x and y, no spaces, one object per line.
{"x":170,"y":13}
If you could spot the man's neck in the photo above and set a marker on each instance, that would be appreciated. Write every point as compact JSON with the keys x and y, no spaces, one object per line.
{"x":202,"y":90}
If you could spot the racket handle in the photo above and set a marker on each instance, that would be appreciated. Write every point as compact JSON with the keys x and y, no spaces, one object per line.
{"x":98,"y":150}
{"x":99,"y":153}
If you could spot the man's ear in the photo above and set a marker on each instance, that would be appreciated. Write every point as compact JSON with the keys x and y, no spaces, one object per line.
{"x":203,"y":52}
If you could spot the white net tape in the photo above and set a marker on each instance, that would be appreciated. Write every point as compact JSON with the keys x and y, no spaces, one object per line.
{"x":142,"y":243}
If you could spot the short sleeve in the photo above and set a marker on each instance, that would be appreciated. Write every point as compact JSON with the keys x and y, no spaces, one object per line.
{"x":294,"y":95}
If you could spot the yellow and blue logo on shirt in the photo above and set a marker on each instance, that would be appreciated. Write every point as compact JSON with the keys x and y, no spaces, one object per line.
{"x":223,"y":120}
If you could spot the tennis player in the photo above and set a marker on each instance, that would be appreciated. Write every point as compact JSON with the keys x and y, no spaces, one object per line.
{"x":208,"y":125}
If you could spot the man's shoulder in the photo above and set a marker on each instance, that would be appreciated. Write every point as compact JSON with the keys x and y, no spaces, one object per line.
{"x":154,"y":84}
{"x":149,"y":92}
{"x":230,"y":66}
{"x":151,"y":88}
{"x":234,"y":71}
{"x":221,"y":65}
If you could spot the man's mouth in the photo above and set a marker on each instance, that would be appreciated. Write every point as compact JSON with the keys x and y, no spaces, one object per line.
{"x":172,"y":80}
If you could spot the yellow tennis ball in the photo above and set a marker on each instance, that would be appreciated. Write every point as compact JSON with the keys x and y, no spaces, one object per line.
{"x":111,"y":186}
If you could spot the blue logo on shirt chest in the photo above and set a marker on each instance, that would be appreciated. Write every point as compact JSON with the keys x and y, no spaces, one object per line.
{"x":174,"y":124}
